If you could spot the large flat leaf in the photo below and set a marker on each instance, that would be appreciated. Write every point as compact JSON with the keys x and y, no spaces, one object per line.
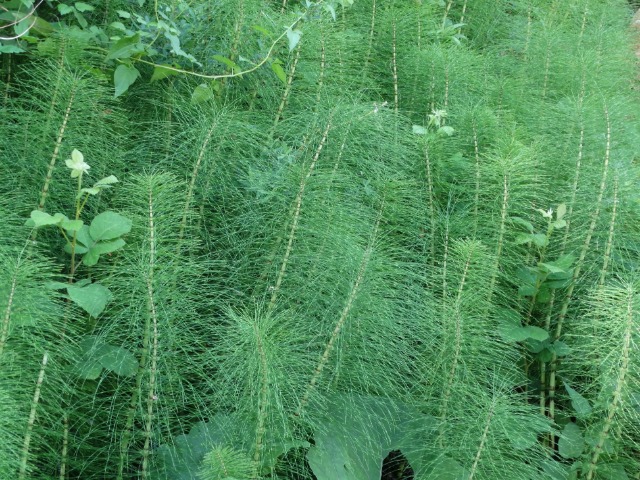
{"x":109,"y":226}
{"x":124,"y":47}
{"x":91,"y":298}
{"x":123,"y":78}
{"x":359,"y":432}
{"x":571,"y":442}
{"x":117,"y":359}
{"x":181,"y":460}
{"x":580,"y":405}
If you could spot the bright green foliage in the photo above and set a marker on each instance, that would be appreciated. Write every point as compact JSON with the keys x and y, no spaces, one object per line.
{"x":348,"y":239}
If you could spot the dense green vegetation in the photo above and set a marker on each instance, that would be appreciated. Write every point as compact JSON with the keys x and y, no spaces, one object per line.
{"x":342,"y":240}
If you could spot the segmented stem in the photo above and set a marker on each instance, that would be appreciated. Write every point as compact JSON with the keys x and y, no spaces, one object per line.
{"x":324,"y":358}
{"x":430,"y":200}
{"x":54,"y":156}
{"x":65,"y":446}
{"x":24,"y":460}
{"x":464,"y":11}
{"x":458,"y":342}
{"x":287,"y":88}
{"x":296,"y":216}
{"x":483,"y":440}
{"x":476,"y":152}
{"x":503,"y":228}
{"x":578,"y":269}
{"x":612,"y":223}
{"x":323,"y":63}
{"x":4,"y":332}
{"x":372,"y":30}
{"x":620,"y":383}
{"x":395,"y":68}
{"x":192,"y":182}
{"x":262,"y":405}
{"x":152,"y":323}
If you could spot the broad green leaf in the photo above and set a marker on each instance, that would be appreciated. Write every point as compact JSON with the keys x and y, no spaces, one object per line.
{"x":419,"y":130}
{"x":11,"y":49}
{"x":329,"y":8}
{"x":84,"y":237}
{"x":534,"y":346}
{"x":83,"y":7}
{"x":545,"y":355}
{"x":550,"y":267}
{"x":163,"y":71}
{"x":42,"y":219}
{"x":294,"y":37}
{"x":106,"y":181}
{"x":544,"y":294}
{"x":202,"y":93}
{"x":446,"y":130}
{"x":279,"y":71}
{"x":561,"y":211}
{"x":92,"y":298}
{"x":536,"y":333}
{"x":177,"y":49}
{"x":229,"y":63}
{"x":528,"y":275}
{"x":90,"y":191}
{"x":123,"y":14}
{"x":53,"y":285}
{"x":514,"y":332}
{"x":80,"y":18}
{"x":561,"y":349}
{"x":79,"y":250}
{"x":522,"y":222}
{"x":64,"y":9}
{"x":181,"y":458}
{"x":87,"y":366}
{"x":92,"y":255}
{"x":580,"y":405}
{"x":554,"y":284}
{"x":564,"y":262}
{"x":90,"y":258}
{"x":571,"y":442}
{"x":443,"y":468}
{"x":540,"y":239}
{"x":119,"y":26}
{"x":124,"y":47}
{"x":527,"y":290}
{"x":523,"y":238}
{"x":118,"y":360}
{"x":262,"y":30}
{"x":559,"y":224}
{"x":353,"y":422}
{"x":71,"y":225}
{"x":107,"y":247}
{"x":123,"y":78}
{"x":109,"y":226}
